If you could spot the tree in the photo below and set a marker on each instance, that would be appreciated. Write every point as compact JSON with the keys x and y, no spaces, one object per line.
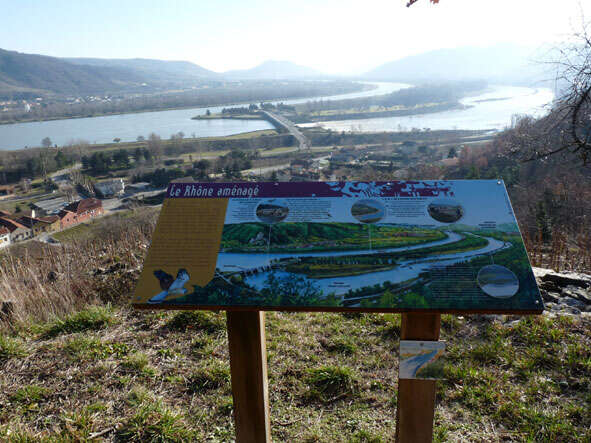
{"x":155,"y":145}
{"x":566,"y":129}
{"x":138,"y":154}
{"x":46,"y":142}
{"x":121,"y":158}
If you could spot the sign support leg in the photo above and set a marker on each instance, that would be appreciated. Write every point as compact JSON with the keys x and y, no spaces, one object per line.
{"x":248,"y":366}
{"x":416,"y":398}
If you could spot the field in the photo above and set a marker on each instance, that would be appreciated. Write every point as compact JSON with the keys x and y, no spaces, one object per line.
{"x":291,"y":237}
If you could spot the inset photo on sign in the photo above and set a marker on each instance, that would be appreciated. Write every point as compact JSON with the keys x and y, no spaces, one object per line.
{"x":446,"y":210}
{"x":272,"y":211}
{"x":368,"y":211}
{"x":498,"y":281}
{"x":421,"y":359}
{"x":171,"y":287}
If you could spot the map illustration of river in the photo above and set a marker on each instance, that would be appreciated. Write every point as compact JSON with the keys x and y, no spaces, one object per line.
{"x":247,"y":262}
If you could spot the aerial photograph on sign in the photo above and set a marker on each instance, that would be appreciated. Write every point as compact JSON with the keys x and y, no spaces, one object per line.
{"x":422,"y":245}
{"x":421,"y":360}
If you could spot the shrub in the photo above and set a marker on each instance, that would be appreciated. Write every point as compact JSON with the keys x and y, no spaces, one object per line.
{"x":93,"y":318}
{"x":330,"y":382}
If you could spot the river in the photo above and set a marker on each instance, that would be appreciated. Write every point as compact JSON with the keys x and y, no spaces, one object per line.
{"x":491,"y":110}
{"x":128,"y":127}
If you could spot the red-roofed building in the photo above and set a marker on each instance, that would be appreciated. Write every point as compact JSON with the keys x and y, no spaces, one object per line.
{"x":80,"y":211}
{"x":18,"y":231}
{"x":40,"y":225}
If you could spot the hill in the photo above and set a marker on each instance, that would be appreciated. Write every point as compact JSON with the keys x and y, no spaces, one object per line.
{"x":508,"y":64}
{"x":275,"y":69}
{"x":23,"y":75}
{"x":151,"y":69}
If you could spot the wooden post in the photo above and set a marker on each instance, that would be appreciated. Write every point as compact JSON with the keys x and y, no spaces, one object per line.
{"x":416,"y":398}
{"x":248,"y":366}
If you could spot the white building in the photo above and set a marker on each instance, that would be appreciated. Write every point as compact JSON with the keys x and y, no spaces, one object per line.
{"x":4,"y":237}
{"x":110,"y":188}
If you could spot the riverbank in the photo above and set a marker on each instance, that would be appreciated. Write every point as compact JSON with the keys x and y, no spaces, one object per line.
{"x":156,"y":108}
{"x":355,"y":115}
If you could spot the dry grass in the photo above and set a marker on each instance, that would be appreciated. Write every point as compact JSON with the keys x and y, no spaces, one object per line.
{"x":48,"y":281}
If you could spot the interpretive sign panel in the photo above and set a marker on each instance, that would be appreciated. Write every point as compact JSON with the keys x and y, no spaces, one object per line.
{"x":444,"y":246}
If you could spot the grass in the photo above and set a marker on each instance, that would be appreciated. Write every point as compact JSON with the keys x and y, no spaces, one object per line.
{"x":332,"y":377}
{"x":92,"y":319}
{"x":10,"y":347}
{"x":197,"y":320}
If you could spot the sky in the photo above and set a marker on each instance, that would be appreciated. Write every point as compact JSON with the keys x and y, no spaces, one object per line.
{"x":332,"y":36}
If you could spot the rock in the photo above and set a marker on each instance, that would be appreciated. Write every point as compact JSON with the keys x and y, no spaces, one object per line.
{"x":568,"y":301}
{"x":550,"y":296}
{"x":562,"y":279}
{"x":581,"y":294}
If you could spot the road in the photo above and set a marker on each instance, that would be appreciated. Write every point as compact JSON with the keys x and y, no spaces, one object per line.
{"x":293,"y":129}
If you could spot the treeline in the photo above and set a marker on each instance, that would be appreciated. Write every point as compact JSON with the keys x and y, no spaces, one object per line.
{"x":433,"y":93}
{"x":105,"y":161}
{"x":249,"y":92}
{"x":322,"y":137}
{"x":14,"y":168}
{"x":550,"y":197}
{"x":252,"y":108}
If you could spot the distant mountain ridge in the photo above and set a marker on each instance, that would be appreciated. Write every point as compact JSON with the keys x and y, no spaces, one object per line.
{"x":275,"y":70}
{"x":506,"y":63}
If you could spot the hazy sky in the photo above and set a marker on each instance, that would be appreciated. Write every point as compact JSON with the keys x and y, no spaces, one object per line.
{"x":334,"y":36}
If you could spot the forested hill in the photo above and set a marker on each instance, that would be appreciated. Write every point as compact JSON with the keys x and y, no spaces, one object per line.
{"x":23,"y":75}
{"x":29,"y":75}
{"x":151,"y":69}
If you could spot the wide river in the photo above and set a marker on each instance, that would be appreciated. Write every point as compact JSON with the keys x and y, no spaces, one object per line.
{"x":128,"y":127}
{"x":490,"y":110}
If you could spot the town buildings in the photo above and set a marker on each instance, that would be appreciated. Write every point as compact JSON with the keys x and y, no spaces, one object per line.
{"x":80,"y":211}
{"x":19,"y":227}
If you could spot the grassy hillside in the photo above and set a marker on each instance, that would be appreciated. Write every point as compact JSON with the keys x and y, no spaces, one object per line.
{"x":77,"y":364}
